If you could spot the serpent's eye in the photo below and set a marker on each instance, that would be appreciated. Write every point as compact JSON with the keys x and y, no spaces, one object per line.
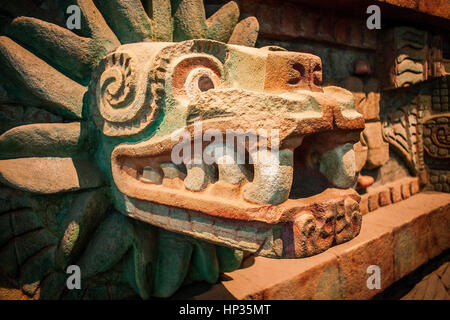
{"x":205,"y":83}
{"x":193,"y":75}
{"x":201,"y":80}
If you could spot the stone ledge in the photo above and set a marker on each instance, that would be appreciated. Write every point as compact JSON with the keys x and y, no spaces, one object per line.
{"x":398,"y":238}
{"x":439,"y":8}
{"x":389,"y":193}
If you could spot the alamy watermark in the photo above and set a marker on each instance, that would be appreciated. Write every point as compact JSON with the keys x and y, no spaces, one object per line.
{"x":374,"y":281}
{"x":74,"y":20}
{"x":74,"y":280}
{"x":233,"y":150}
{"x":374,"y":20}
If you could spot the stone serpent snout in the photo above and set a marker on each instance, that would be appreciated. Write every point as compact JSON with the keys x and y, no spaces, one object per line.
{"x":297,"y":137}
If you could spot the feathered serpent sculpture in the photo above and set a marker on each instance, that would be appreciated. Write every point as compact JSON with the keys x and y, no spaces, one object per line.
{"x":97,"y":187}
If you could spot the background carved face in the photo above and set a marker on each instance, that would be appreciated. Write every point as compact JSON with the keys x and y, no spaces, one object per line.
{"x":285,"y":204}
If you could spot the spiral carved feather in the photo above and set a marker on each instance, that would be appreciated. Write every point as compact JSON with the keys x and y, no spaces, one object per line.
{"x":121,"y":95}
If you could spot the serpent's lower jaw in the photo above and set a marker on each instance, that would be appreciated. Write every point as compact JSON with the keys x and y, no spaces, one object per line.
{"x":286,"y":203}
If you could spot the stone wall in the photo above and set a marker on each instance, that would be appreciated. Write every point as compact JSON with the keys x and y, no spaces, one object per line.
{"x":397,"y":76}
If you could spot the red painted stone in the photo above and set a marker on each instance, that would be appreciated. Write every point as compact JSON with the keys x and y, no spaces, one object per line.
{"x":361,"y":67}
{"x":365,"y":181}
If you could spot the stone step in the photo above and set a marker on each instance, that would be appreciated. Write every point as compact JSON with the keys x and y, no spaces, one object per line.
{"x":398,"y":239}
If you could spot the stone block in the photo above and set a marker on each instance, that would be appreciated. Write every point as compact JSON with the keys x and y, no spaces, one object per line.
{"x":378,"y":153}
{"x":385,"y":197}
{"x":395,"y":238}
{"x":412,"y":242}
{"x":414,"y":186}
{"x":374,"y":202}
{"x":356,"y":256}
{"x":405,"y":187}
{"x":364,"y":204}
{"x":396,"y":192}
{"x":440,"y":235}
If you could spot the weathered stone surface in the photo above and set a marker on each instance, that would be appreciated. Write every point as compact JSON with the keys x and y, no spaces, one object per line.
{"x":23,"y":221}
{"x":432,"y":287}
{"x":49,"y":175}
{"x":403,"y":57}
{"x":364,"y":204}
{"x":440,"y":238}
{"x":198,"y":176}
{"x":361,"y":67}
{"x":355,"y":257}
{"x":222,"y":23}
{"x":367,"y":96}
{"x":245,"y":33}
{"x":268,"y":187}
{"x":189,"y":21}
{"x":438,"y":8}
{"x":143,"y":92}
{"x":60,"y":93}
{"x":43,"y":140}
{"x":292,"y":21}
{"x":38,"y":265}
{"x":396,"y":193}
{"x":361,"y":151}
{"x":172,"y":264}
{"x":89,"y":210}
{"x":405,"y":189}
{"x":378,"y":152}
{"x":341,"y":273}
{"x":374,"y":201}
{"x":298,"y":107}
{"x":172,"y":171}
{"x":371,"y":106}
{"x":229,"y":259}
{"x":108,"y":245}
{"x":151,"y":175}
{"x":288,"y":70}
{"x":339,"y":166}
{"x":52,"y":286}
{"x":127,"y":19}
{"x":72,"y":53}
{"x":384,"y":195}
{"x":23,"y":241}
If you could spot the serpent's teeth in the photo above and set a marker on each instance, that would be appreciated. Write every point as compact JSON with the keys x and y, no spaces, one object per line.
{"x":172,"y":171}
{"x":232,"y":173}
{"x":272,"y":177}
{"x":339,"y":166}
{"x":231,"y":167}
{"x":199,"y":175}
{"x":151,"y":175}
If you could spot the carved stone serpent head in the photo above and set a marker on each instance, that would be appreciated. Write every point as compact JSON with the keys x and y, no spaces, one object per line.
{"x":148,"y":99}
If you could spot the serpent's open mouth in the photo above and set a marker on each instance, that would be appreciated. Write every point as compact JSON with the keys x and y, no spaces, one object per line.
{"x":293,"y":203}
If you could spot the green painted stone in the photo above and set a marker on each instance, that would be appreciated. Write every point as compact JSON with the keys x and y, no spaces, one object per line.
{"x":107,"y":246}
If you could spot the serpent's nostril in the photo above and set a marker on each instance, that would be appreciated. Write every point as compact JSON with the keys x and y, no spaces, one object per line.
{"x":317,"y":75}
{"x":205,"y":83}
{"x":297,"y":74}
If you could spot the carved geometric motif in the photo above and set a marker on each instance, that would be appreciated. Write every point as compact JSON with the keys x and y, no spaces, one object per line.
{"x":437,"y":136}
{"x":440,"y":95}
{"x":440,"y":180}
{"x":402,"y":131}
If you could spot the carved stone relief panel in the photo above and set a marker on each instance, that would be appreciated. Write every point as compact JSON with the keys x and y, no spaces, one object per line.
{"x":372,"y":151}
{"x":401,"y":130}
{"x":440,"y":95}
{"x":403,"y":57}
{"x":436,"y":136}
